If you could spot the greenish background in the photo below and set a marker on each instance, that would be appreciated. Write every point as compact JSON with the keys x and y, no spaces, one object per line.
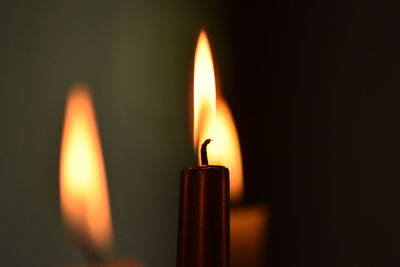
{"x":136,"y":57}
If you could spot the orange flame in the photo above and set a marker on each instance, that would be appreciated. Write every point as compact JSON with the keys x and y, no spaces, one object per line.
{"x":83,"y":185}
{"x":213,"y":119}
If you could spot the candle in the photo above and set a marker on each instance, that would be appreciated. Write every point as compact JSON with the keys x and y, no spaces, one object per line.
{"x":249,"y":224}
{"x":83,"y":186}
{"x":203,"y":237}
{"x":204,"y":228}
{"x":213,"y":119}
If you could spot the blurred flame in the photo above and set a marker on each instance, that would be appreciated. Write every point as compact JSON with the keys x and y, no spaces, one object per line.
{"x":83,"y":186}
{"x":225,"y":149}
{"x":213,"y":119}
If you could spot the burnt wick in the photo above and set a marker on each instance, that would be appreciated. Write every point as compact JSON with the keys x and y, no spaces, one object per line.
{"x":203,"y":152}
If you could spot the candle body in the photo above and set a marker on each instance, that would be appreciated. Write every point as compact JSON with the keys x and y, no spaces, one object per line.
{"x":249,"y":224}
{"x":204,"y":226}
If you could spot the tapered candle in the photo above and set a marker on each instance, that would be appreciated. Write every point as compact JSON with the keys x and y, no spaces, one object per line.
{"x":213,"y":119}
{"x":203,"y":237}
{"x":204,"y":227}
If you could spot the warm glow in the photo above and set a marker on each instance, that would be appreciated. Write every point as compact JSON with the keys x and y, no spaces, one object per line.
{"x":225,"y":149}
{"x":215,"y":121}
{"x":83,"y":186}
{"x":204,"y":100}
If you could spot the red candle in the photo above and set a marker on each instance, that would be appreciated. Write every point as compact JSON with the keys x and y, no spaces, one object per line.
{"x":204,"y":235}
{"x":213,"y":119}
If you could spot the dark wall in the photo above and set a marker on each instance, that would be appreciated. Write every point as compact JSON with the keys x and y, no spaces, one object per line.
{"x":316,"y":98}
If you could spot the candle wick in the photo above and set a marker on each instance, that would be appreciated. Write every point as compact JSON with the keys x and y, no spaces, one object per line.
{"x":203,"y":152}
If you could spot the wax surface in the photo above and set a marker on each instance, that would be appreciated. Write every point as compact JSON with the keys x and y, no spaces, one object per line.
{"x":203,"y":234}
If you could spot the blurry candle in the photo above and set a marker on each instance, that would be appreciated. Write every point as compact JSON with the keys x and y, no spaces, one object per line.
{"x":203,"y":233}
{"x":248,"y":222}
{"x":83,"y":186}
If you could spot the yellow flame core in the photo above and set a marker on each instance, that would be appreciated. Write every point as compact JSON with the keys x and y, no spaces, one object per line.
{"x":83,"y":186}
{"x":215,"y":121}
{"x":204,"y":91}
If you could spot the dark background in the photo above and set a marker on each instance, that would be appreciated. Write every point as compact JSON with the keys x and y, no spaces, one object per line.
{"x":313,"y":86}
{"x":316,"y":100}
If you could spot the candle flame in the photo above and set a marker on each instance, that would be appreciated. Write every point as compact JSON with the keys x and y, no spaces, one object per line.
{"x":83,"y":186}
{"x":213,"y":119}
{"x":204,"y":96}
